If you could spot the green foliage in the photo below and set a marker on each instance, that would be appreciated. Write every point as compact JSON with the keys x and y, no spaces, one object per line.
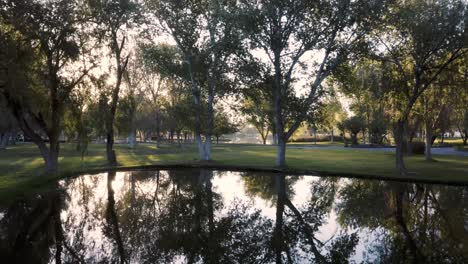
{"x":378,"y":128}
{"x":112,"y":15}
{"x":257,"y":107}
{"x":223,"y":124}
{"x":354,"y":125}
{"x":125,"y":116}
{"x":295,"y":28}
{"x":331,"y":114}
{"x":164,"y":59}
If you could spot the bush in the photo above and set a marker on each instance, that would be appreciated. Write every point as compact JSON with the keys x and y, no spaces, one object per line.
{"x":417,"y":148}
{"x":354,"y":125}
{"x":320,"y":138}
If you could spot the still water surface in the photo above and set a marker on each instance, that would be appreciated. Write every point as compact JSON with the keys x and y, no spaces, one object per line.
{"x":204,"y":216}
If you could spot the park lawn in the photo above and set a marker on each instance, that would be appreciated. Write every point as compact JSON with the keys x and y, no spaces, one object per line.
{"x":318,"y":144}
{"x":451,"y":141}
{"x":21,"y":165}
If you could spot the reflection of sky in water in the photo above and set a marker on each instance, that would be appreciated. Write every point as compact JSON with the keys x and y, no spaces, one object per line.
{"x":228,"y":184}
{"x":152,"y":208}
{"x":231,"y":188}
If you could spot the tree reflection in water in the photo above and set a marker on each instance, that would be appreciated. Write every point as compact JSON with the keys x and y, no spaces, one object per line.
{"x":415,"y":223}
{"x":201,"y":216}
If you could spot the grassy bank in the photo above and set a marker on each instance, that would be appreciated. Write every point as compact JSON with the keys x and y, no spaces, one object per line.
{"x":21,"y":165}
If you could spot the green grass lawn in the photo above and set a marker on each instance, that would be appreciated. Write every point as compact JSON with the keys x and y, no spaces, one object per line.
{"x":21,"y":165}
{"x":318,"y":144}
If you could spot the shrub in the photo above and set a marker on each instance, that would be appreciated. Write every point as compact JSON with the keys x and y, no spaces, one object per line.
{"x":321,"y":138}
{"x":354,"y":125}
{"x":417,"y":148}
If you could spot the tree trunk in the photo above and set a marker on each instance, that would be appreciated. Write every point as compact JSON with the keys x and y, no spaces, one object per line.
{"x":217,"y":139}
{"x":111,"y":158}
{"x":281,"y":152}
{"x":158,"y":129}
{"x":210,"y":116}
{"x":399,"y":140}
{"x":331,"y":138}
{"x":201,"y":149}
{"x":3,"y":140}
{"x":274,"y":139}
{"x":278,"y":111}
{"x":428,"y":141}
{"x":52,"y":159}
{"x":13,"y":136}
{"x":132,"y":139}
{"x":197,"y":100}
{"x":207,"y":149}
{"x":121,"y":65}
{"x":354,"y":139}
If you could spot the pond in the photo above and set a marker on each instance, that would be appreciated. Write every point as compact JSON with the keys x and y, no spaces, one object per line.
{"x":204,"y":216}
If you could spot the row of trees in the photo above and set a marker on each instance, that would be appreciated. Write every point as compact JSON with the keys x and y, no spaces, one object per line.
{"x":277,"y":55}
{"x":409,"y":67}
{"x":441,"y":109}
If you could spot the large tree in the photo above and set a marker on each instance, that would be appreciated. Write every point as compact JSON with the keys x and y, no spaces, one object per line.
{"x":257,"y":108}
{"x":206,"y":35}
{"x":286,"y":32}
{"x":40,"y":41}
{"x":459,"y":114}
{"x":418,"y":40}
{"x":113,"y":20}
{"x":7,"y":124}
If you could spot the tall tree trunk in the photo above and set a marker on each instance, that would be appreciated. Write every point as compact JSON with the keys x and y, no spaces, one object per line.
{"x":132,"y":139}
{"x":3,"y":140}
{"x":428,"y":141}
{"x":315,"y":136}
{"x":49,"y":160}
{"x":331,"y":138}
{"x":158,"y":129}
{"x":121,"y":66}
{"x":399,"y":141}
{"x":354,"y":139}
{"x":111,"y":158}
{"x":52,"y":160}
{"x":210,"y":116}
{"x":53,"y":131}
{"x":274,"y":138}
{"x":281,"y":147}
{"x":281,"y":152}
{"x":197,"y":100}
